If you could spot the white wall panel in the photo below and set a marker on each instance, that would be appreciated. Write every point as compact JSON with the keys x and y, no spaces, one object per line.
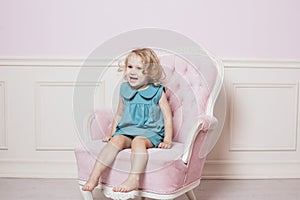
{"x":38,"y":132}
{"x":260,"y":138}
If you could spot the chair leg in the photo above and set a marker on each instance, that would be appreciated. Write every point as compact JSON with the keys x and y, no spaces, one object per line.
{"x":86,"y":195}
{"x":191,"y":196}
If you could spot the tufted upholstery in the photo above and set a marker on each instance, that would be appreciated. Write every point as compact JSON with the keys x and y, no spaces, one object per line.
{"x":187,"y":93}
{"x":188,"y":90}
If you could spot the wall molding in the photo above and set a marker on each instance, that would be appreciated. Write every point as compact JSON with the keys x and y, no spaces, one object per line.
{"x":251,"y":63}
{"x":79,"y":61}
{"x":3,"y":121}
{"x":39,"y":111}
{"x":52,"y":62}
{"x":257,"y":85}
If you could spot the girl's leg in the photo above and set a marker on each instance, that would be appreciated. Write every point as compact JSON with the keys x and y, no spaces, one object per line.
{"x":139,"y":159}
{"x":105,"y":158}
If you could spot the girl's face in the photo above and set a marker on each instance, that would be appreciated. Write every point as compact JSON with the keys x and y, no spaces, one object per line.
{"x":134,"y":72}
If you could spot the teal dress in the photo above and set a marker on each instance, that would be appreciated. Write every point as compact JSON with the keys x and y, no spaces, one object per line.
{"x":141,"y":115}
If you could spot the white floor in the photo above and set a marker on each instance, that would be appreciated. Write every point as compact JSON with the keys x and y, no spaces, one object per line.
{"x":66,"y":189}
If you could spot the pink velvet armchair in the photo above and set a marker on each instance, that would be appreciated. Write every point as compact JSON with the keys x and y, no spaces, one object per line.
{"x":192,"y":92}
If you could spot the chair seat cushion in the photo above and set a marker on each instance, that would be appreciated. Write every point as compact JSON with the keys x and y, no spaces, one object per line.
{"x":165,"y":167}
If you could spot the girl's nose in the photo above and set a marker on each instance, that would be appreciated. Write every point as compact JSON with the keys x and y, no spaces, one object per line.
{"x":132,"y":71}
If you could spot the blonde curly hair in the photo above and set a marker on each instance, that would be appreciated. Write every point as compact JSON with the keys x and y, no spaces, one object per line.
{"x":151,"y":64}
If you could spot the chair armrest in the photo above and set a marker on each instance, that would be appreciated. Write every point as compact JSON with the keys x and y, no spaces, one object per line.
{"x":204,"y":124}
{"x":97,"y":125}
{"x":85,"y":135}
{"x":103,"y":119}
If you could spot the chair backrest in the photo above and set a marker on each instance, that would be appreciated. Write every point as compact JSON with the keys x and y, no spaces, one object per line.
{"x":189,"y":90}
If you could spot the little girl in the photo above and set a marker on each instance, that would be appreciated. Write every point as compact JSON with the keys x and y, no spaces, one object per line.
{"x":143,"y":119}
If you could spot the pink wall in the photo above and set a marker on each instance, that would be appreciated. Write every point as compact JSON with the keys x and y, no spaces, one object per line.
{"x":252,"y":29}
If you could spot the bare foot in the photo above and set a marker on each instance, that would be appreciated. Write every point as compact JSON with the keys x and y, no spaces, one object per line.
{"x":130,"y":184}
{"x":90,"y":185}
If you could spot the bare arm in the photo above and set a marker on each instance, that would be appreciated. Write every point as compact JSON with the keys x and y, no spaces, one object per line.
{"x":116,"y":120}
{"x":168,"y":121}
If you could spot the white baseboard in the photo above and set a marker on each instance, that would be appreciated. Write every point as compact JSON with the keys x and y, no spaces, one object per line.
{"x":250,"y":170}
{"x":38,"y":169}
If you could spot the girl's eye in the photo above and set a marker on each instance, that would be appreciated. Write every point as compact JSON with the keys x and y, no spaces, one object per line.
{"x":139,"y":68}
{"x":129,"y":66}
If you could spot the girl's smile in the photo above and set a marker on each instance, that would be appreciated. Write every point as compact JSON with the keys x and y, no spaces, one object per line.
{"x":133,"y":79}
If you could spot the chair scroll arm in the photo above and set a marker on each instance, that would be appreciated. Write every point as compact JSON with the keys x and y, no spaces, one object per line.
{"x":204,"y":124}
{"x":97,"y":124}
{"x":86,"y":137}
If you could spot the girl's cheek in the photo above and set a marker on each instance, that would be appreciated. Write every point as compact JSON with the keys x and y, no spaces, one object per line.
{"x":140,"y":73}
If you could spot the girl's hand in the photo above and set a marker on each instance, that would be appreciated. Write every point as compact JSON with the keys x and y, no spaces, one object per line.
{"x":165,"y":145}
{"x":106,"y":139}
